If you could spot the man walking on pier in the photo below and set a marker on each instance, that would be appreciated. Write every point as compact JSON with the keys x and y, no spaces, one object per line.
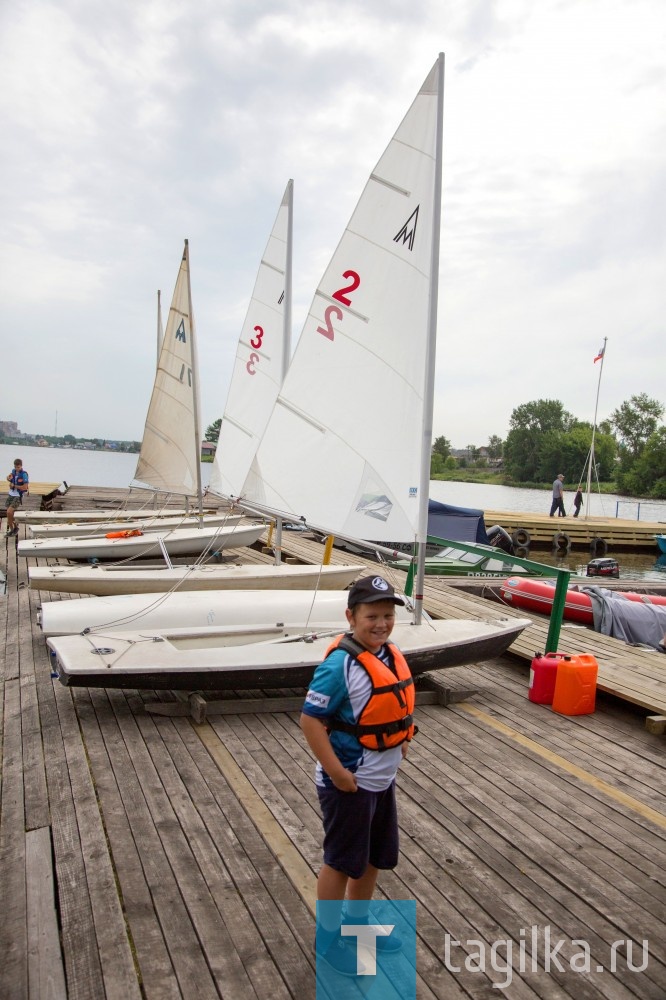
{"x":558,"y":497}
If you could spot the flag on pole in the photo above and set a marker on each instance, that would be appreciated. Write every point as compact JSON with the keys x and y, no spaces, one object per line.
{"x":600,"y":354}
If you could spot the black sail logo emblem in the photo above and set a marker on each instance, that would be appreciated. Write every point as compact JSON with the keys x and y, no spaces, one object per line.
{"x":408,"y":231}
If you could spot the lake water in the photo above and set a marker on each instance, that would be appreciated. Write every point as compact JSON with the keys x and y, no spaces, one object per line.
{"x":105,"y":468}
{"x":538,"y":501}
{"x":74,"y":466}
{"x":102,"y":468}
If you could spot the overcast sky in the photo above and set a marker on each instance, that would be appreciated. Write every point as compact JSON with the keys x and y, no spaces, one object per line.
{"x":129,"y":125}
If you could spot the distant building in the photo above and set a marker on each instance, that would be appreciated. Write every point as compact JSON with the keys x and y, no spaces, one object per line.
{"x":208,"y":447}
{"x":9,"y":428}
{"x":479,"y":453}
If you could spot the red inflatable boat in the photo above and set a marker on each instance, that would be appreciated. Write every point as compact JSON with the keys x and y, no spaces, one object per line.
{"x":537,"y":595}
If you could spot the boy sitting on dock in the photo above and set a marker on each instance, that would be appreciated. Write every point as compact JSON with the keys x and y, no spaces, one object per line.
{"x":357,"y":719}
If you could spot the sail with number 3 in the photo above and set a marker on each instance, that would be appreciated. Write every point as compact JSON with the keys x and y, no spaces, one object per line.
{"x":343,"y":446}
{"x":262,"y":357}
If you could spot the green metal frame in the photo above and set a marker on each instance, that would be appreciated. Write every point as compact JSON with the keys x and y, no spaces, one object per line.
{"x":562,"y":578}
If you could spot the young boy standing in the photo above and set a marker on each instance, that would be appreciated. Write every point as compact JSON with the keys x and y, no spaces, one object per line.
{"x":18,"y":485}
{"x":357,"y":719}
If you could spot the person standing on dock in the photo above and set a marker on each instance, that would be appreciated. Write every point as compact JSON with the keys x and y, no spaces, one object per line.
{"x":578,"y":501}
{"x":357,"y":720}
{"x":18,"y":485}
{"x":558,"y":497}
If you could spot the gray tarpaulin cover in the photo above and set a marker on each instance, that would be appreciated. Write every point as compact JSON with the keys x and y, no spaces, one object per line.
{"x":631,"y":621}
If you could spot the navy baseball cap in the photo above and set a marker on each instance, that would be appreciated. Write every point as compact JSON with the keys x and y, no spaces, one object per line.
{"x":372,"y":588}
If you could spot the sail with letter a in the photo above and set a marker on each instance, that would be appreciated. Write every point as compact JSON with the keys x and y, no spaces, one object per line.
{"x":170,"y":451}
{"x":344,"y":445}
{"x":262,"y":357}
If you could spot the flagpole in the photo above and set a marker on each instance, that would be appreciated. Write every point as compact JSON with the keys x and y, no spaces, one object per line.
{"x":602,"y":352}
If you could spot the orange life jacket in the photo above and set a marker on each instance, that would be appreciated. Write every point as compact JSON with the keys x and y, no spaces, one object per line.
{"x":127,"y":533}
{"x":387,"y":718}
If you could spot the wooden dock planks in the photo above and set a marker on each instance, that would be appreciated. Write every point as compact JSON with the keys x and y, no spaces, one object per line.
{"x":184,"y":856}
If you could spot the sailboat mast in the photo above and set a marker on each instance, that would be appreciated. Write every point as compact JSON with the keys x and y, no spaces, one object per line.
{"x":431,"y":350}
{"x":160,"y":331}
{"x":195,"y":383}
{"x":594,"y":432}
{"x":286,"y":320}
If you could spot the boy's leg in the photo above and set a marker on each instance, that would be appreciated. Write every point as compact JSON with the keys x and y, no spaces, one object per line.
{"x":359,"y":895}
{"x":331,"y":887}
{"x":331,"y":883}
{"x":330,"y":946}
{"x":362,"y":889}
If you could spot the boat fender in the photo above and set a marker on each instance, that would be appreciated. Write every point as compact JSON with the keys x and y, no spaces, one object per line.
{"x":521,"y":536}
{"x":522,"y":551}
{"x":598,"y":547}
{"x":561,"y":542}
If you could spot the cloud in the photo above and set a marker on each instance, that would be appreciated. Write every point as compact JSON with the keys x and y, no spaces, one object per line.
{"x":128,"y":127}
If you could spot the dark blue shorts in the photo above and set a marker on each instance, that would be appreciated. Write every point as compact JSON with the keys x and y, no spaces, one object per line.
{"x":360,"y":828}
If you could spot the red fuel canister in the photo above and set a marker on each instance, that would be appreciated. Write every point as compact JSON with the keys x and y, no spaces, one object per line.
{"x":543,"y":674}
{"x":576,"y":685}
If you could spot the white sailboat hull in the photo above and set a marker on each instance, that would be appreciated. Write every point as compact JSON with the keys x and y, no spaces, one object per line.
{"x":92,"y":516}
{"x":178,"y":542}
{"x":204,"y":659}
{"x":105,"y":581}
{"x":239,"y":611}
{"x":81,"y":529}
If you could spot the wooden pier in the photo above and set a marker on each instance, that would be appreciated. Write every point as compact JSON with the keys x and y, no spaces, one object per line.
{"x":147,"y":856}
{"x":539,"y":531}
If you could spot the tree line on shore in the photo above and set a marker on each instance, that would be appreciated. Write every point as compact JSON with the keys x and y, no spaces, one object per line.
{"x":70,"y":441}
{"x":544,"y":439}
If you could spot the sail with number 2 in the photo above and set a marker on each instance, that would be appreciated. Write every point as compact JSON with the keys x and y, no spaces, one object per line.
{"x":343,"y":445}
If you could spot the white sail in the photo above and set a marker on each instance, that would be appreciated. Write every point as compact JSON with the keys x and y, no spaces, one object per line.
{"x":261,"y":359}
{"x":170,"y":450}
{"x":343,"y":445}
